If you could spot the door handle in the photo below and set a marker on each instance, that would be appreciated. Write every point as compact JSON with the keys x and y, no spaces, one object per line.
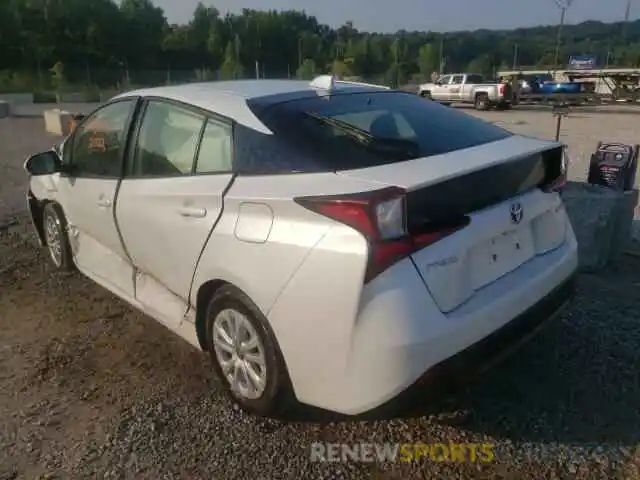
{"x":104,"y":202}
{"x":193,"y":212}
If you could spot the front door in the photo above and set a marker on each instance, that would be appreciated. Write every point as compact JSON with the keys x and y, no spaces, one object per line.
{"x":170,"y":200}
{"x":94,"y":157}
{"x":455,"y":87}
{"x":441,"y":89}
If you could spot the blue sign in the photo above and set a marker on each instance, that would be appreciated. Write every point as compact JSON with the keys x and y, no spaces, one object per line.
{"x":582,"y":62}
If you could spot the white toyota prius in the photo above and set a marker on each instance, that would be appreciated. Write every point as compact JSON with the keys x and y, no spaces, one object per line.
{"x":326,"y":242}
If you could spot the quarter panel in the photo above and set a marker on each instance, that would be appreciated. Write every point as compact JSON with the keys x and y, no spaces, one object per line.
{"x":262,"y":269}
{"x":314,"y":318}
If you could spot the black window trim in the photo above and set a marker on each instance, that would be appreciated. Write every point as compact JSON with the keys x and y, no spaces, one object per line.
{"x":207,"y":115}
{"x":133,"y":113}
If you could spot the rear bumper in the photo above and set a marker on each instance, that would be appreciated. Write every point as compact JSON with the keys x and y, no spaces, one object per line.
{"x":401,"y":340}
{"x":491,"y":350}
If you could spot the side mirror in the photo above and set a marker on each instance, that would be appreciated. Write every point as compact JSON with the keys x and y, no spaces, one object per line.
{"x":45,"y":163}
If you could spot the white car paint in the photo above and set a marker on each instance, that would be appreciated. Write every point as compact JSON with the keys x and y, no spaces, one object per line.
{"x":348,"y":346}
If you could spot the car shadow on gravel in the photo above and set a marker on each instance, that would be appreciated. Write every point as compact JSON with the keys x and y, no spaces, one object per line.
{"x":577,"y":382}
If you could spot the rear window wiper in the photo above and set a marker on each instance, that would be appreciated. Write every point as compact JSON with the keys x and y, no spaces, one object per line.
{"x":367,"y":139}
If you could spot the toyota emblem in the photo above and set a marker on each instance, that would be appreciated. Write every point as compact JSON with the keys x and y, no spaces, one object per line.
{"x":516,"y":212}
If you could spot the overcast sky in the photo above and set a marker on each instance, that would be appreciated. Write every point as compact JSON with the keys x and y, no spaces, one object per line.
{"x":435,"y":15}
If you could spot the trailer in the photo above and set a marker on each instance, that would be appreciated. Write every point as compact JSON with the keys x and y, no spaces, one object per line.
{"x":623,"y":83}
{"x":616,"y":84}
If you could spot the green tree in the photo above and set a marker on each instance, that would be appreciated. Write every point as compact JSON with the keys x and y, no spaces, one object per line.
{"x":428,"y":61}
{"x":231,"y":68}
{"x":481,"y":64}
{"x":307,"y":70}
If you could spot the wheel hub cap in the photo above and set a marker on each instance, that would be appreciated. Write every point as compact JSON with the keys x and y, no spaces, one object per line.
{"x":52,"y":234}
{"x":240,"y":353}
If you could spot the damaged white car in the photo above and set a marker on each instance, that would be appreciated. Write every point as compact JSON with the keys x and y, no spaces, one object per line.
{"x":327,"y":242}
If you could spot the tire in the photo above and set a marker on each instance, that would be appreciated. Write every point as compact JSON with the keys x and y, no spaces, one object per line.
{"x":54,"y":228}
{"x":273,"y":395}
{"x":481,"y":101}
{"x":426,"y":95}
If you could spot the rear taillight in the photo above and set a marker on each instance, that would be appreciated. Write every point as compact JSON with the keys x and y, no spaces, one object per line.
{"x":501,"y":88}
{"x":560,"y":181}
{"x":380,"y":216}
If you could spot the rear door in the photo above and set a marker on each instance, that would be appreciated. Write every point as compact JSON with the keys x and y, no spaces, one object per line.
{"x":171,"y":199}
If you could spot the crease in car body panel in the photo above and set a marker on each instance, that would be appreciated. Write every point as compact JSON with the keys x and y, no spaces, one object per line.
{"x":295,"y":231}
{"x":165,"y":245}
{"x":189,"y":304}
{"x":88,"y":200}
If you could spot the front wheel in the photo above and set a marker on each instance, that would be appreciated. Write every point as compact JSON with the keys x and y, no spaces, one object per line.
{"x":426,"y":95}
{"x":245,"y":353}
{"x":54,"y":226}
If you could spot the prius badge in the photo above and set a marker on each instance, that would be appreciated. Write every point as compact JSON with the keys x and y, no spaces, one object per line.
{"x":516,"y":212}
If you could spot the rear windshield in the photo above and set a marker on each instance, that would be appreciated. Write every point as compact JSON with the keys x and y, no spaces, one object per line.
{"x":357,"y":130}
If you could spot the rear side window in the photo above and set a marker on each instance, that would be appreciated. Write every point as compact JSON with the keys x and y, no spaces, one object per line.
{"x":167,"y":141}
{"x":357,"y":130}
{"x":475,"y":79}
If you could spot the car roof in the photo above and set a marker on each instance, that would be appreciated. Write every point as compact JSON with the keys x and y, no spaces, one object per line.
{"x":231,"y":98}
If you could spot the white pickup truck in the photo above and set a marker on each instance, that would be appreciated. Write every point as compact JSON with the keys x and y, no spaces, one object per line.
{"x":468,"y":88}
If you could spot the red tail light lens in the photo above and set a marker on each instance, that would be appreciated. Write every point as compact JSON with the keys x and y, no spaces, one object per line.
{"x":380,"y":216}
{"x":501,"y":89}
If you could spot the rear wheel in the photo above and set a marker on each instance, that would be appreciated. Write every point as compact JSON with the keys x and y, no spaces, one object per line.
{"x":481,"y":101}
{"x":54,"y":226}
{"x":245,"y":353}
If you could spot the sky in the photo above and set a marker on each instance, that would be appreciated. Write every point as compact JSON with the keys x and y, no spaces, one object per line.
{"x":434,"y":15}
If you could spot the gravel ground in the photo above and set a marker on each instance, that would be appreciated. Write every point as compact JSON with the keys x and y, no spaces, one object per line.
{"x":89,"y":388}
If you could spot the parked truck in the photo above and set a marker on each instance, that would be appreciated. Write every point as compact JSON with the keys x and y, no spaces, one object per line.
{"x":468,"y":88}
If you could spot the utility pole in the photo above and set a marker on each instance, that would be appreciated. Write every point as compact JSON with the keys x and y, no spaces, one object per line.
{"x":627,"y":14}
{"x":441,"y":54}
{"x":563,"y":5}
{"x":515,"y":56}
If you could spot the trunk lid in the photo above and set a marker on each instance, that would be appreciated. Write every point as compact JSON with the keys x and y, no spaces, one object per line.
{"x":495,"y":186}
{"x":491,"y":246}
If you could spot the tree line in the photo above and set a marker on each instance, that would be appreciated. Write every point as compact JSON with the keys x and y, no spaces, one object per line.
{"x":99,"y":42}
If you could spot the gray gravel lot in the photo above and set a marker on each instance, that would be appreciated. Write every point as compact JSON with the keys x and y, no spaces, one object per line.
{"x":90,"y":388}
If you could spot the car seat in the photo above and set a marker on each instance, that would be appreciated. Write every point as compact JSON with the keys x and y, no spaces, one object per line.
{"x":385,"y":126}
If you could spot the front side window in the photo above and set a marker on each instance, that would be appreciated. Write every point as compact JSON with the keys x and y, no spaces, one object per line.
{"x":445,"y":80}
{"x":98,"y":143}
{"x":457,"y":79}
{"x":167,"y":141}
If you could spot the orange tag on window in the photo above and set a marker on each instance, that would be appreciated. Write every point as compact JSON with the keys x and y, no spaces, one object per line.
{"x":97,"y":144}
